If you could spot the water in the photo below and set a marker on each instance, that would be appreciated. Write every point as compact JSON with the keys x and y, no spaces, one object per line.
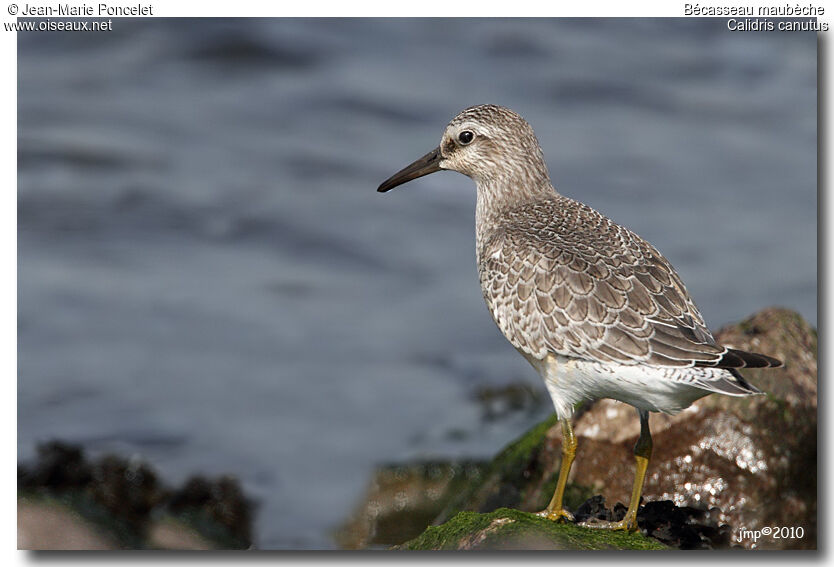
{"x":208,"y":279}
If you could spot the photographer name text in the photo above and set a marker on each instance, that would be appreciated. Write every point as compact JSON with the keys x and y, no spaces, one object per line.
{"x":89,"y":10}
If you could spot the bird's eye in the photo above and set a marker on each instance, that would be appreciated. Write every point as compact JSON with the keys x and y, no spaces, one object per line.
{"x":465,"y":137}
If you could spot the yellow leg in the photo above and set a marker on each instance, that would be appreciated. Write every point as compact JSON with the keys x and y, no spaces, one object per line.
{"x":642,"y":455}
{"x":554,"y":510}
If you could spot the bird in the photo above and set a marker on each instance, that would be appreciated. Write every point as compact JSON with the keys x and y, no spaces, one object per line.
{"x":595,"y":309}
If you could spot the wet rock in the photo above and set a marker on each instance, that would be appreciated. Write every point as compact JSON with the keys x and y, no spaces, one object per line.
{"x":721,"y":470}
{"x":593,"y":508}
{"x":752,"y":458}
{"x":120,"y":503}
{"x":506,"y":529}
{"x":682,"y":527}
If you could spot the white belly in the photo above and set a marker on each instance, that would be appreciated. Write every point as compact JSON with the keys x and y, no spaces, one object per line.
{"x":570,"y":381}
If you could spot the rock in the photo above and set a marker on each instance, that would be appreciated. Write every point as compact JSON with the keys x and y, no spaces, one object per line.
{"x":116,"y":503}
{"x":522,"y":476}
{"x":682,"y":527}
{"x":53,"y":526}
{"x":402,"y":501}
{"x":61,"y":466}
{"x":506,"y":529}
{"x":168,"y":533}
{"x":784,"y":334}
{"x":216,"y":508}
{"x":753,"y":458}
{"x":127,"y":490}
{"x":720,"y":470}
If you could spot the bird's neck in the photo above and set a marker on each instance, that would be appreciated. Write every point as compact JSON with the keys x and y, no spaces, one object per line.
{"x":497,"y":197}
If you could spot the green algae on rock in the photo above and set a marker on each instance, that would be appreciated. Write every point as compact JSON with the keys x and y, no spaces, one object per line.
{"x":523,"y":476}
{"x":506,"y":529}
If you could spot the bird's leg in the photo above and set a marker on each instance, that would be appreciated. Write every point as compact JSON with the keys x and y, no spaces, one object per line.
{"x":554,"y":510}
{"x":642,"y":454}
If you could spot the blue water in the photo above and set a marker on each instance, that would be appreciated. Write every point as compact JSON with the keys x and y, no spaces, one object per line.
{"x":209,"y":280}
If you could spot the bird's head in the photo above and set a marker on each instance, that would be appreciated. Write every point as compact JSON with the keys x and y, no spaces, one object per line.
{"x":488,"y":143}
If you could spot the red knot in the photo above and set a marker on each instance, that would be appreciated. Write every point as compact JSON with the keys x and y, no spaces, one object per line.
{"x":597,"y":310}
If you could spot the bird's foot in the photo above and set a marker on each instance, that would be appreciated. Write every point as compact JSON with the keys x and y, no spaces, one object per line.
{"x":556,"y":515}
{"x":628,"y":524}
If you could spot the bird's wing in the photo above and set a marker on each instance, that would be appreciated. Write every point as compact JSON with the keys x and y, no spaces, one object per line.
{"x":585,"y":287}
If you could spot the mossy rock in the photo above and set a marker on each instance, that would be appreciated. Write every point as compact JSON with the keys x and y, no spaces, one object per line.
{"x":403,"y":500}
{"x":506,"y":529}
{"x":522,"y":476}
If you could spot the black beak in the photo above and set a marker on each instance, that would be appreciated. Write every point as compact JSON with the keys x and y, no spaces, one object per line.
{"x":429,"y":163}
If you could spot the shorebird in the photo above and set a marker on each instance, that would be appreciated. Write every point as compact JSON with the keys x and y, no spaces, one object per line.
{"x":594,"y":308}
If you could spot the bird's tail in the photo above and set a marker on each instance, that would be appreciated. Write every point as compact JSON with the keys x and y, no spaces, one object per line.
{"x":734,"y":358}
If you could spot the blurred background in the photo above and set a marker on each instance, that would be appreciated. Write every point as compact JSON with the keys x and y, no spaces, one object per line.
{"x":208,"y":279}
